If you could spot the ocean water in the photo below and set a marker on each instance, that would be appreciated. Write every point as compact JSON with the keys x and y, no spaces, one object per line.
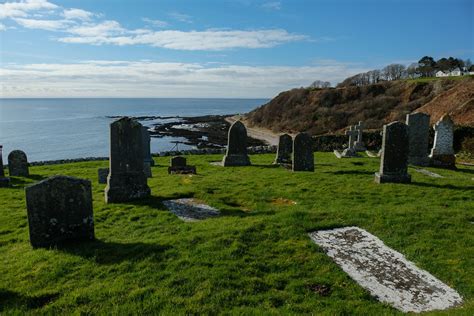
{"x":50,"y":129}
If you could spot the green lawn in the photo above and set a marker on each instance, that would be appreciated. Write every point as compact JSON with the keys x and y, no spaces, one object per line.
{"x":254,"y":259}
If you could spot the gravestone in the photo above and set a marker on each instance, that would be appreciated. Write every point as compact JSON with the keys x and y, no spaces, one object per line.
{"x":103,"y":173}
{"x":236,"y":154}
{"x":285,"y":149}
{"x":442,"y":153}
{"x":418,"y":138}
{"x":303,"y":159}
{"x":146,"y":146}
{"x":178,"y":166}
{"x":4,"y":181}
{"x":349,"y":151}
{"x":359,"y":143}
{"x":394,"y":158}
{"x":59,"y":210}
{"x":126,"y":180}
{"x":18,"y":164}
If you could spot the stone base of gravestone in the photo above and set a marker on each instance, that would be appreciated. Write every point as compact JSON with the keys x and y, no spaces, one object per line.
{"x":236,"y":160}
{"x":392,"y":178}
{"x":443,"y":161}
{"x":125,"y":187}
{"x":147,"y":169}
{"x":372,"y":154}
{"x":59,"y":210}
{"x":346,"y":153}
{"x":103,"y":173}
{"x":4,"y":182}
{"x":359,"y":146}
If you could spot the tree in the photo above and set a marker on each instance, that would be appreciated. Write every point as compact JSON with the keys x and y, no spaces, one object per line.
{"x":320,"y":84}
{"x":427,"y":66}
{"x":412,"y":70}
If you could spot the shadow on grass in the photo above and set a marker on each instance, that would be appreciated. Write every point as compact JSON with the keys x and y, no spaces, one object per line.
{"x":443,"y":186}
{"x":20,"y":182}
{"x":157,"y":202}
{"x":271,"y":166}
{"x":351,"y":172}
{"x":230,"y":212}
{"x":103,"y":252}
{"x":465,"y":170}
{"x":13,"y":299}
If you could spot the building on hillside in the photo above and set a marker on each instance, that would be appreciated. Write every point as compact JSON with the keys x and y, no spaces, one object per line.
{"x":456,"y":72}
{"x":441,"y":73}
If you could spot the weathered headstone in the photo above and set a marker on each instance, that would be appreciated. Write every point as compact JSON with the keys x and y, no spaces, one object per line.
{"x":303,"y":158}
{"x":285,"y":149}
{"x":394,"y":159}
{"x":236,"y":154}
{"x":349,"y":151}
{"x":4,"y":181}
{"x":442,"y":153}
{"x":103,"y":173}
{"x":59,"y":210}
{"x":418,"y":138}
{"x":178,"y":166}
{"x":126,"y":180}
{"x":18,"y":164}
{"x":146,"y":146}
{"x":359,"y":143}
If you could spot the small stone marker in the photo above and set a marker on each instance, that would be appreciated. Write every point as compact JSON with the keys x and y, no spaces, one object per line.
{"x":285,"y":149}
{"x":236,"y":154}
{"x":428,"y":173}
{"x":190,"y":210}
{"x":18,"y":164}
{"x":126,"y":180}
{"x":146,"y":146}
{"x":418,"y":138}
{"x":4,"y":181}
{"x":372,"y":154}
{"x":303,"y":158}
{"x":359,"y":143}
{"x":349,"y":152}
{"x":394,"y":160}
{"x":384,"y":272}
{"x":178,"y":166}
{"x":442,"y":153}
{"x":103,"y":173}
{"x":59,"y":209}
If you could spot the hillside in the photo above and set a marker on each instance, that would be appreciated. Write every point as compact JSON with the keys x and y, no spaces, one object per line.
{"x":321,"y":111}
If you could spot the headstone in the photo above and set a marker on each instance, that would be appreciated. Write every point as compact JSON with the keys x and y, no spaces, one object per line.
{"x":4,"y":181}
{"x":126,"y":180}
{"x":303,"y":158}
{"x":359,"y":143}
{"x":418,"y":138}
{"x":236,"y":154}
{"x":285,"y":149}
{"x":394,"y":159}
{"x":59,"y":210}
{"x":178,"y":166}
{"x":349,"y":151}
{"x":146,"y":146}
{"x":442,"y":153}
{"x":18,"y":164}
{"x":103,"y":173}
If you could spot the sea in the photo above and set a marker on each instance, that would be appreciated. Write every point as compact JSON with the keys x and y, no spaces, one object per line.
{"x":53,"y":129}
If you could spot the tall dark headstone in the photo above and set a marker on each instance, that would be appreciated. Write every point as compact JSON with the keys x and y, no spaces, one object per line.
{"x":394,"y":158}
{"x":285,"y":149}
{"x":126,"y":180}
{"x":442,"y":153}
{"x":303,"y":158}
{"x":18,"y":164}
{"x":59,"y":210}
{"x":102,"y":174}
{"x":236,"y":154}
{"x":4,"y":181}
{"x":418,"y":138}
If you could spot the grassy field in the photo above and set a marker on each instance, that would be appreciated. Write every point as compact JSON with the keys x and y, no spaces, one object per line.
{"x":428,"y":79}
{"x":254,"y":259}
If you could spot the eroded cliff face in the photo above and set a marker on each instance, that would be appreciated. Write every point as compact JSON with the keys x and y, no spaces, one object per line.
{"x":320,"y":111}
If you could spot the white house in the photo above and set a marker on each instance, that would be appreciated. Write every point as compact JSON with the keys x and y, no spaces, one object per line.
{"x":456,"y":72}
{"x":441,"y":73}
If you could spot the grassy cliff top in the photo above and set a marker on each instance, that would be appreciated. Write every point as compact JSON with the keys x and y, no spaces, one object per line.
{"x":255,"y":258}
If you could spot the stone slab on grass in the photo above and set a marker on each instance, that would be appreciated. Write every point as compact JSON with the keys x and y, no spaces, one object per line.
{"x":384,"y":272}
{"x":429,"y":173}
{"x":190,"y":210}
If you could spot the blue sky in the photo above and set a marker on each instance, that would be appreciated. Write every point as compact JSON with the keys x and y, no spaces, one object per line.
{"x":146,"y":48}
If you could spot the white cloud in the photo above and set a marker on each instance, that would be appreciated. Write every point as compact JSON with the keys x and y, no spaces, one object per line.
{"x":77,"y":14}
{"x":2,"y":27}
{"x":156,"y":23}
{"x":50,"y":25}
{"x":273,"y":5}
{"x":99,"y":30}
{"x":156,"y":79}
{"x":181,"y":17}
{"x":22,"y":8}
{"x":213,"y":40}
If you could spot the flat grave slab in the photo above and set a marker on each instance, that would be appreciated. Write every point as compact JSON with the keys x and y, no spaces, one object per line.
{"x":190,"y":210}
{"x":384,"y":272}
{"x":428,"y":173}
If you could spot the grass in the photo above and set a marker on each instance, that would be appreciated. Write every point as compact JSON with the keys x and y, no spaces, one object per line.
{"x":429,"y":79}
{"x":254,"y":259}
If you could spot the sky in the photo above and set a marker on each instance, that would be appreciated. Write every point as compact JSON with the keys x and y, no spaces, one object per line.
{"x":204,"y":48}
